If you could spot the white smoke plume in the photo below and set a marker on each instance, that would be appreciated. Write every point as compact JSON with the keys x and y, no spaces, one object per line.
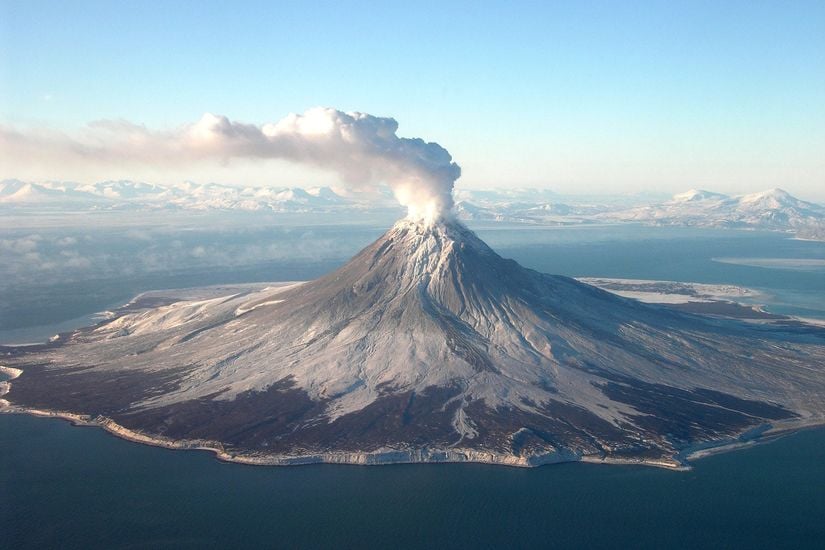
{"x":358,"y":147}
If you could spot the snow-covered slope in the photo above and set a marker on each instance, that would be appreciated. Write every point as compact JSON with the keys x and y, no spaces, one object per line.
{"x":774,"y":209}
{"x":187,"y":196}
{"x":771,"y":210}
{"x":15,"y":192}
{"x":696,"y":195}
{"x":526,"y":209}
{"x":428,"y":345}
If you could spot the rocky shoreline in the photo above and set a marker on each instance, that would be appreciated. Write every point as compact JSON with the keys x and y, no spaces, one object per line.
{"x":679,"y":462}
{"x":382,"y":457}
{"x":387,"y":456}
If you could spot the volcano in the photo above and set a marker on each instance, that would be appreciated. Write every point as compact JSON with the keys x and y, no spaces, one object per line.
{"x":428,"y":346}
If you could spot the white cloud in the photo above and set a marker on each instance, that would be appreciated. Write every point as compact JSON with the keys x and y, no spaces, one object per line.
{"x":66,"y":241}
{"x":359,"y":148}
{"x":21,"y":245}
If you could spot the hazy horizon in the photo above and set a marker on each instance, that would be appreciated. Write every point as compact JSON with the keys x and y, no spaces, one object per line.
{"x":653,"y":194}
{"x":611,"y":99}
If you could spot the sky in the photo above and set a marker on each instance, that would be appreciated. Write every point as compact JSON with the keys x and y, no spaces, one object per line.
{"x":584,"y":97}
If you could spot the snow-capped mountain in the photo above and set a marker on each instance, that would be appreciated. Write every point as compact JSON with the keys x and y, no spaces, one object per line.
{"x":697,"y":195}
{"x":428,"y":346}
{"x":18,"y":193}
{"x":774,"y":209}
{"x":504,"y":197}
{"x":536,"y":206}
{"x":122,"y":194}
{"x":123,"y":190}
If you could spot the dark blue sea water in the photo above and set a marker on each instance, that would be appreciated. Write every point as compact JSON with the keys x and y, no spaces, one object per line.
{"x":82,"y":488}
{"x":69,"y":487}
{"x":678,"y":254}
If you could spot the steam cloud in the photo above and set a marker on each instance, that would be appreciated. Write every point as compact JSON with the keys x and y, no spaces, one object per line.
{"x":358,"y":147}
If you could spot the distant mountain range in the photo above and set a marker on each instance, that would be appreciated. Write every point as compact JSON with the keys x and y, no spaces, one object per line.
{"x":124,"y":194}
{"x":774,"y":210}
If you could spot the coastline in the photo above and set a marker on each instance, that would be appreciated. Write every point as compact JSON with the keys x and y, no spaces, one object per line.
{"x":680,"y":461}
{"x":384,"y":456}
{"x":380,"y":457}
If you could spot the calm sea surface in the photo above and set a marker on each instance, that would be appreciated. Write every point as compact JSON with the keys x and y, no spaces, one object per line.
{"x":82,"y":488}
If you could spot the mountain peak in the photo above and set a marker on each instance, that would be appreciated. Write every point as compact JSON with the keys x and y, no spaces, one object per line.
{"x":447,"y":229}
{"x":771,"y":198}
{"x":697,"y":195}
{"x":416,"y":252}
{"x":775,"y":193}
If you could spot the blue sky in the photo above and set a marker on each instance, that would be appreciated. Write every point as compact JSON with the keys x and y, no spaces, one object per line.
{"x":576,"y":96}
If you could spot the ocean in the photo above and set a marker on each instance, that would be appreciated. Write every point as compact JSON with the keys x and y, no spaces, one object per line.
{"x":69,"y":487}
{"x":83,"y":488}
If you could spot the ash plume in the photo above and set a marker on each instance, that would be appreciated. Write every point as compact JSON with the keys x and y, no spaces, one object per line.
{"x":358,"y":147}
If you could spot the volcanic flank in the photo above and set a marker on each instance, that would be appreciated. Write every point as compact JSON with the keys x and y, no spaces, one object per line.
{"x":428,"y":346}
